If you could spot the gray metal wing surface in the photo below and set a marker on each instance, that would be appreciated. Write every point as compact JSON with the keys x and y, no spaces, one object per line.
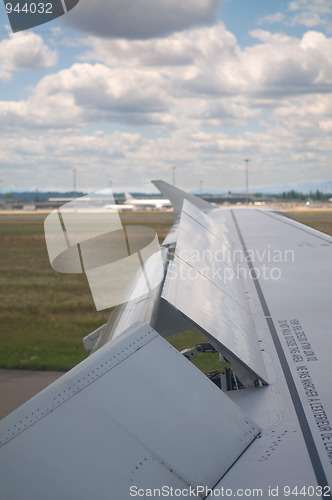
{"x":204,"y":284}
{"x":289,"y":285}
{"x":122,"y":422}
{"x":284,"y":271}
{"x":136,"y":416}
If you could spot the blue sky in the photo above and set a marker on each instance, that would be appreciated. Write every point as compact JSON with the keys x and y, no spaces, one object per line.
{"x":122,"y":91}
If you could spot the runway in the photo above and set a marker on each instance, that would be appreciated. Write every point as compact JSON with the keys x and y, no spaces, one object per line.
{"x":17,"y":386}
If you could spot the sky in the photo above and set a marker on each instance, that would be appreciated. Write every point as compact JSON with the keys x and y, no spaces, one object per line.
{"x":121,"y":91}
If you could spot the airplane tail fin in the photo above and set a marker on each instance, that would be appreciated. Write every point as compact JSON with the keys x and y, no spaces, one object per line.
{"x":128,"y":197}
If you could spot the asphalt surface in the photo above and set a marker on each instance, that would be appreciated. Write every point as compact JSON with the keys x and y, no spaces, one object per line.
{"x":17,"y":386}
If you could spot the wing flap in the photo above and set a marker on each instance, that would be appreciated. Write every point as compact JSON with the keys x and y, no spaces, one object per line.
{"x":133,"y":412}
{"x":202,"y":283}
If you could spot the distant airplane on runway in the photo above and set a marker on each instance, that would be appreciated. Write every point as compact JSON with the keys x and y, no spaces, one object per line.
{"x":158,"y":203}
{"x":120,"y":207}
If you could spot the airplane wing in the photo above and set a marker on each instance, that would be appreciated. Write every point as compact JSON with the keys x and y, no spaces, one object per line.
{"x":136,"y":418}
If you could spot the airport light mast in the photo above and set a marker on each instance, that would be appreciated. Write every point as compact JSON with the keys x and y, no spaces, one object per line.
{"x":74,"y":181}
{"x":173,"y":168}
{"x":247,"y":181}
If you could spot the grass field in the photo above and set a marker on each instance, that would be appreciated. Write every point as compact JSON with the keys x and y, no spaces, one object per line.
{"x":44,"y":315}
{"x":319,"y":220}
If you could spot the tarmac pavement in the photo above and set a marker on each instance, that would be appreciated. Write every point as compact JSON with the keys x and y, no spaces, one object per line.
{"x":17,"y":386}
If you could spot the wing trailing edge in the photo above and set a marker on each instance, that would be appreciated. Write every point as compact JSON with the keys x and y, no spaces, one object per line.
{"x":203,"y":283}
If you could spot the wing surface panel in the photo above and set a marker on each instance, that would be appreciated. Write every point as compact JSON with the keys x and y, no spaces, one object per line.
{"x":297,"y":288}
{"x":130,"y":415}
{"x":286,"y":270}
{"x":289,"y":277}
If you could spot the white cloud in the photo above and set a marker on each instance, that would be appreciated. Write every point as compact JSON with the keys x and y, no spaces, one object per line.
{"x":320,"y":6}
{"x":283,"y":65}
{"x":180,"y":49}
{"x":209,"y":61}
{"x":309,"y":13}
{"x":88,"y":93}
{"x":130,"y":159}
{"x":156,"y":82}
{"x":310,"y":108}
{"x":278,"y":17}
{"x":24,"y":51}
{"x":326,"y":125}
{"x":141,"y":19}
{"x":195,"y":79}
{"x":308,"y":19}
{"x":293,"y":143}
{"x":191,"y":90}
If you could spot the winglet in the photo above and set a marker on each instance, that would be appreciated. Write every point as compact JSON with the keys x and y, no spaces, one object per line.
{"x":176,"y":197}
